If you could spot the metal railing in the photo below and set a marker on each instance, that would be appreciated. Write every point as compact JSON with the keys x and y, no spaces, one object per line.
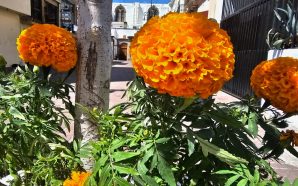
{"x":247,"y":22}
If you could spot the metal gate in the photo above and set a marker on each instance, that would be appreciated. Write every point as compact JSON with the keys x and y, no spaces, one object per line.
{"x":247,"y":22}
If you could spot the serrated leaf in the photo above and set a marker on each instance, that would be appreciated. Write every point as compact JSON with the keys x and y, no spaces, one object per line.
{"x":117,"y":143}
{"x":190,"y":142}
{"x":204,"y":151}
{"x":75,"y":146}
{"x":90,"y":181}
{"x":120,"y":156}
{"x":242,"y":182}
{"x":256,"y":176}
{"x":165,"y":171}
{"x":138,"y":180}
{"x":220,"y":153}
{"x":103,"y":159}
{"x":117,"y":110}
{"x":142,"y":169}
{"x":226,"y":172}
{"x":231,"y":180}
{"x":162,"y":140}
{"x":150,"y":181}
{"x":10,"y":97}
{"x":153,"y":162}
{"x":252,"y":124}
{"x":16,"y":113}
{"x":104,"y":175}
{"x":125,"y":170}
{"x":224,"y":118}
{"x":121,"y":181}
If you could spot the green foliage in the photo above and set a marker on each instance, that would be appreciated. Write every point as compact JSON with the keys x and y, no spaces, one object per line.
{"x":285,"y":36}
{"x":154,"y":139}
{"x":30,"y":125}
{"x":2,"y":63}
{"x":241,"y":175}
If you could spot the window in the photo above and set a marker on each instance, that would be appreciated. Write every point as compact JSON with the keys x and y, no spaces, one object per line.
{"x":120,"y":14}
{"x":152,"y":11}
{"x":36,"y":11}
{"x":51,"y":14}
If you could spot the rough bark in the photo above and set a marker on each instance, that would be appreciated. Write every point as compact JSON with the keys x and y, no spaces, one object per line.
{"x":94,"y":64}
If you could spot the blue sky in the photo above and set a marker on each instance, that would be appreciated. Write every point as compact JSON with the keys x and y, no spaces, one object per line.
{"x":142,"y":1}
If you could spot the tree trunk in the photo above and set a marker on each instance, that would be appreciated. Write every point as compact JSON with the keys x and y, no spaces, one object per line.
{"x":94,"y":64}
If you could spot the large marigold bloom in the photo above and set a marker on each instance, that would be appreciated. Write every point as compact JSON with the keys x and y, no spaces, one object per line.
{"x":277,"y":81}
{"x":48,"y":45}
{"x":77,"y":179}
{"x":183,"y":54}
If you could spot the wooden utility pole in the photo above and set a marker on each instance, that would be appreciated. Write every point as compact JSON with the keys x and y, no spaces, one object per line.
{"x":94,"y":64}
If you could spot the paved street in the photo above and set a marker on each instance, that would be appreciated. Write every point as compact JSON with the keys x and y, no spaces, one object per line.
{"x":122,"y":73}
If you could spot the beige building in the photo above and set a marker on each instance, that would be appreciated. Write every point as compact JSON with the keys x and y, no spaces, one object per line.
{"x":15,"y":15}
{"x":11,"y":25}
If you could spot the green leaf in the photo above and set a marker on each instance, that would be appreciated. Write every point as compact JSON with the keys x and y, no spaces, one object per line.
{"x":89,"y":182}
{"x":225,"y":172}
{"x":10,"y":97}
{"x":15,"y":113}
{"x":187,"y":102}
{"x":103,"y":159}
{"x":153,"y":162}
{"x":104,"y":175}
{"x":121,"y":181}
{"x":162,"y":140}
{"x":117,"y":143}
{"x":252,"y":124}
{"x":190,"y":142}
{"x":150,"y":181}
{"x":295,"y":183}
{"x":256,"y":176}
{"x":149,"y":153}
{"x":286,"y":183}
{"x":141,"y":164}
{"x":120,"y":156}
{"x":220,"y":153}
{"x":126,"y":170}
{"x":138,"y":180}
{"x":242,"y":182}
{"x":165,"y":171}
{"x":231,"y":180}
{"x":224,"y":118}
{"x":204,"y":151}
{"x":142,"y":169}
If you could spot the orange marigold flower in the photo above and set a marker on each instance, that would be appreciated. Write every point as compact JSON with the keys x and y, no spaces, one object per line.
{"x":289,"y":135}
{"x":77,"y":179}
{"x":277,"y":81}
{"x":183,"y":54}
{"x":48,"y":45}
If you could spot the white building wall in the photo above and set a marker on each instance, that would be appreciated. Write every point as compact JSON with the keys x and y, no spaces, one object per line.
{"x":136,"y":13}
{"x":215,"y":9}
{"x":10,"y":29}
{"x":123,"y":33}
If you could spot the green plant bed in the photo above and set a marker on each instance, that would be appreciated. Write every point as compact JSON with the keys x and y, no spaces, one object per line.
{"x":30,"y":128}
{"x":155,"y":140}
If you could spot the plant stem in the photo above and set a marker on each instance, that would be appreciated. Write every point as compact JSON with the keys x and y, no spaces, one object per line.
{"x":187,"y":102}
